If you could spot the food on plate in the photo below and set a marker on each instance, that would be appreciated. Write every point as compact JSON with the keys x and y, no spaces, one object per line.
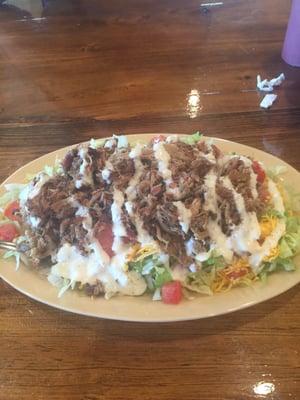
{"x":171,"y":217}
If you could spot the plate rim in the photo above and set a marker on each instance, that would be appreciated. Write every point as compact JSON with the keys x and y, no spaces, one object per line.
{"x":153,"y":319}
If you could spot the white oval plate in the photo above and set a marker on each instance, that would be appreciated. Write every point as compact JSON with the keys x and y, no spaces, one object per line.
{"x":142,"y":308}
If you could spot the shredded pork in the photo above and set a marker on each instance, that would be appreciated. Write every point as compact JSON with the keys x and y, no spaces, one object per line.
{"x":58,"y":206}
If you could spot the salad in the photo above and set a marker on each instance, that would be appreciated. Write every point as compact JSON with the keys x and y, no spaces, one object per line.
{"x":170,"y":218}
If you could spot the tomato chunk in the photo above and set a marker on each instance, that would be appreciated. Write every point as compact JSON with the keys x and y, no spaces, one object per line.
{"x":257,"y":168}
{"x":11,"y":211}
{"x":105,"y":237}
{"x":158,"y":138}
{"x":8,"y":232}
{"x":237,"y":274}
{"x":171,"y":292}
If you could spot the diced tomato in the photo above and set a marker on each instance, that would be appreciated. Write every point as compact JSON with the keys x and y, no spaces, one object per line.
{"x":237,"y":274}
{"x":158,"y":138}
{"x":105,"y":237}
{"x":8,"y":232}
{"x":257,"y":168}
{"x":11,"y":211}
{"x":171,"y":292}
{"x":264,"y":194}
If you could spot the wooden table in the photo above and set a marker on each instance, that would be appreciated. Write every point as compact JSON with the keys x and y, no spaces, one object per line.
{"x":79,"y":69}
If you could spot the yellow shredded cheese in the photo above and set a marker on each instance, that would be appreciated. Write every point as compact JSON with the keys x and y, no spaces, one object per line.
{"x":267,"y":225}
{"x":239,"y":272}
{"x":274,"y":253}
{"x":138,"y":253}
{"x":134,"y":250}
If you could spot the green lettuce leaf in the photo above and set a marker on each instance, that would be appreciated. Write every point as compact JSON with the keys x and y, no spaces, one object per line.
{"x":153,"y":270}
{"x":13,"y":191}
{"x":52,"y":170}
{"x":15,"y":254}
{"x":200,"y":281}
{"x":96,"y":143}
{"x":192,"y":139}
{"x":289,"y":247}
{"x":275,"y":172}
{"x":214,"y":261}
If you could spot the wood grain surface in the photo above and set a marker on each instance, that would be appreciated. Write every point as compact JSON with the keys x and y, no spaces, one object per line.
{"x":71,"y":70}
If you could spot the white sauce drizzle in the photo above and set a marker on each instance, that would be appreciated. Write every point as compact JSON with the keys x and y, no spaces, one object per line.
{"x":184,"y":215}
{"x":172,"y":139}
{"x":135,"y":155}
{"x":96,"y":267}
{"x":107,"y":170}
{"x":220,"y":240}
{"x":32,"y":189}
{"x":244,"y":237}
{"x":85,"y":172}
{"x":110,"y":143}
{"x":163,"y":159}
{"x":210,"y":194}
{"x":143,"y":236}
{"x":34,"y":221}
{"x":210,"y":155}
{"x":87,"y":219}
{"x":110,"y":271}
{"x":118,"y":228}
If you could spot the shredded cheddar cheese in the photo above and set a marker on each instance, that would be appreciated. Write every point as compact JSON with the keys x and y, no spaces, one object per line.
{"x":132,"y":254}
{"x":239,"y":272}
{"x":138,"y":253}
{"x":274,"y":253}
{"x":267,"y":226}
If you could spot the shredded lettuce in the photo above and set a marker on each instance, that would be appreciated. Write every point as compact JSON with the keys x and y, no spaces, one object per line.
{"x":200,"y":281}
{"x":13,"y":191}
{"x":52,"y":170}
{"x":289,"y":247}
{"x":156,"y":295}
{"x":65,"y":286}
{"x":13,"y":253}
{"x":96,"y":143}
{"x":292,"y":200}
{"x":289,"y":244}
{"x":122,"y":141}
{"x":192,"y":139}
{"x":153,"y":270}
{"x":214,"y":260}
{"x":275,"y":172}
{"x":273,"y":213}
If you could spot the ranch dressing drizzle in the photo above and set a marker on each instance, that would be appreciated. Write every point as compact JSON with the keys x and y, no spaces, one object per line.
{"x":163,"y":159}
{"x":244,"y":237}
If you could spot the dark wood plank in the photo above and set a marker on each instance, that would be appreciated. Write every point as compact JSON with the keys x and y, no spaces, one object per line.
{"x":91,"y":59}
{"x":275,"y":131}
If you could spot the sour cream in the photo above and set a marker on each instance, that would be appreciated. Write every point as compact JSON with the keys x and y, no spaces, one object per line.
{"x":97,"y":267}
